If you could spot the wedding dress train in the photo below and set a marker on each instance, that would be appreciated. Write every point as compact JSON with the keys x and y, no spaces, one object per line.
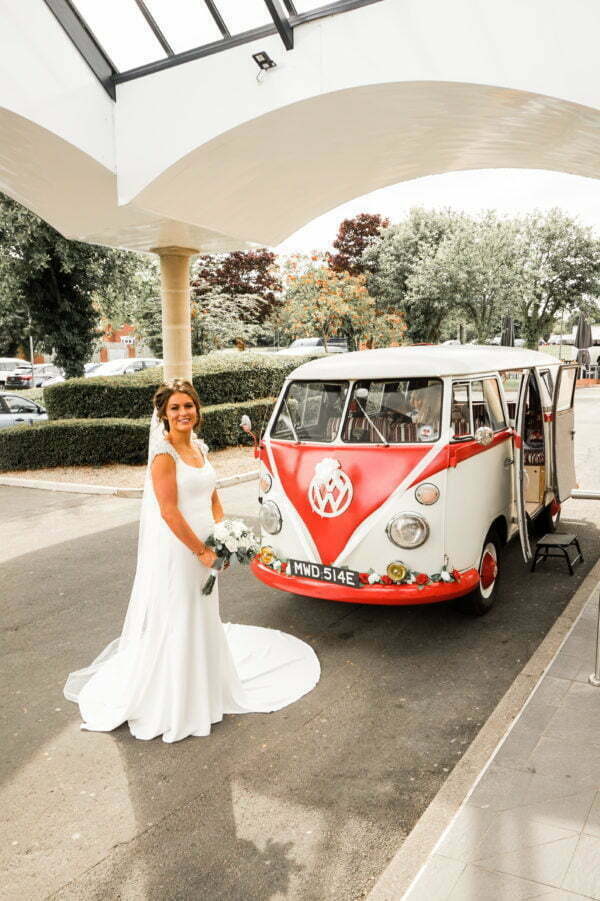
{"x":176,"y":668}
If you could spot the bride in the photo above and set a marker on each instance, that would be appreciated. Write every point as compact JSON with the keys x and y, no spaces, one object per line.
{"x":176,"y":668}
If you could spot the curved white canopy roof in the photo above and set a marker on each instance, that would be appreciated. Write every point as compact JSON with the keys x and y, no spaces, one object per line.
{"x":422,"y":360}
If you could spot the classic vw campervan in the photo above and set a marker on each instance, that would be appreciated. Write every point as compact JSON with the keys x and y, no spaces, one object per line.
{"x":395,"y":476}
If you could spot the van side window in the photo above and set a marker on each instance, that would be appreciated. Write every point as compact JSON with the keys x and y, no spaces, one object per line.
{"x":460,"y":417}
{"x":548,"y":381}
{"x":491,"y":393}
{"x":481,"y":415}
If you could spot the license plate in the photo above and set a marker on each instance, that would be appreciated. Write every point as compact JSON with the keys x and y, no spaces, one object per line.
{"x":335,"y":575}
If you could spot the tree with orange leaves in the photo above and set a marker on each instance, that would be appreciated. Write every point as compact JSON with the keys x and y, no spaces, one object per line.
{"x":321,"y":302}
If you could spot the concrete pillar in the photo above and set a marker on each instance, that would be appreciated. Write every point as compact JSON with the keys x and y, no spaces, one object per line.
{"x":175,"y":301}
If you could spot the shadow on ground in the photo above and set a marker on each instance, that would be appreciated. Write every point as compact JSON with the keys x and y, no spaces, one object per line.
{"x":307,"y":803}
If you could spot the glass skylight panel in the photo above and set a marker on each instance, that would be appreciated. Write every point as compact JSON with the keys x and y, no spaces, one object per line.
{"x":184,"y":23}
{"x":244,"y":15}
{"x":122,"y":31}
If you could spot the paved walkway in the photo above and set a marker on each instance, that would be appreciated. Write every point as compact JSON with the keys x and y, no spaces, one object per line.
{"x":531,"y":827}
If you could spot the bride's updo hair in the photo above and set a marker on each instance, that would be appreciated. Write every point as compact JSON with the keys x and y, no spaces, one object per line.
{"x":176,"y":386}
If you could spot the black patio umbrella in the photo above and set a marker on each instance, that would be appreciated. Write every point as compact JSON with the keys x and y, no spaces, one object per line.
{"x":583,"y":335}
{"x":507,"y":338}
{"x":583,"y":340}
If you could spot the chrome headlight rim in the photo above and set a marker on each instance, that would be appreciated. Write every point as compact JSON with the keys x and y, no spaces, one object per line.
{"x":412,"y":517}
{"x":270,"y":508}
{"x":265,"y":482}
{"x":427,"y":486}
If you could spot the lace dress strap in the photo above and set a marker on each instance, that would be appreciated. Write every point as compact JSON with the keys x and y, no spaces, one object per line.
{"x":203,"y":447}
{"x":163,"y":447}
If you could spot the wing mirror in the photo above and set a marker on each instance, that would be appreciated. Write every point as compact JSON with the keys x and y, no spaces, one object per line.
{"x":246,"y":426}
{"x":484,"y":435}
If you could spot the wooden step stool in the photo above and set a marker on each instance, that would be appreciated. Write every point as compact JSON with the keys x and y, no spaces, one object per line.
{"x":557,"y":545}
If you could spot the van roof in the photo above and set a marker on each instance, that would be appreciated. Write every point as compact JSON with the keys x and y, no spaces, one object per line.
{"x":422,"y":360}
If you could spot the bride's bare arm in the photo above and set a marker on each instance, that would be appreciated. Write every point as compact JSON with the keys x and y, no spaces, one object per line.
{"x":217,"y":509}
{"x":165,"y":489}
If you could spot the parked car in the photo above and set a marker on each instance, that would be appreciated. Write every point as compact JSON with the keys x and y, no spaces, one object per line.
{"x":124,"y":367}
{"x":7,"y":365}
{"x":20,"y":377}
{"x":112,"y":367}
{"x":16,"y":410}
{"x":43,"y":372}
{"x":302,"y":346}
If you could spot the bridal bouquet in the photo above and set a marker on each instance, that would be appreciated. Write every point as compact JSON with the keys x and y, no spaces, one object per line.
{"x":231,"y":538}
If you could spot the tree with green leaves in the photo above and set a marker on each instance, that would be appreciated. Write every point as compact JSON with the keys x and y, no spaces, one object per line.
{"x":559,"y":270}
{"x":392,"y":260}
{"x":56,"y":284}
{"x":474,"y":270}
{"x":217,"y":320}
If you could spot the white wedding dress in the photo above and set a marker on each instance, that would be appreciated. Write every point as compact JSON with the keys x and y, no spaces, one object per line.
{"x":176,"y":668}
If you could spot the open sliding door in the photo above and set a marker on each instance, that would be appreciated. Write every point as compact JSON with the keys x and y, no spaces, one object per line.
{"x":519,"y":467}
{"x":563,"y":443}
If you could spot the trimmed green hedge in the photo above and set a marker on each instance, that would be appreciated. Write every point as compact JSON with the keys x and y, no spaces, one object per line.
{"x":93,"y":442}
{"x":218,"y":378}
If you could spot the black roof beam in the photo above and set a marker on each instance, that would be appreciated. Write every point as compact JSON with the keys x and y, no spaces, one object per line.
{"x":282,"y":23}
{"x":220,"y":22}
{"x":158,"y":33}
{"x":79,"y":34}
{"x":236,"y":40}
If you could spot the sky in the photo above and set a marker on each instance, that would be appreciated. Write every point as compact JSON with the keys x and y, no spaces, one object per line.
{"x":509,"y":191}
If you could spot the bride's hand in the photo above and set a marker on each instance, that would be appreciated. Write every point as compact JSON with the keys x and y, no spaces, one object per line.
{"x":207,"y":558}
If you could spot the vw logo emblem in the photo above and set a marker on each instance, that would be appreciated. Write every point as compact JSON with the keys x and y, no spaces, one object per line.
{"x":330,"y":490}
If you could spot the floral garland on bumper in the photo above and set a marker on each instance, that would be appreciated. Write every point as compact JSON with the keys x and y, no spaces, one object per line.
{"x":397,"y":573}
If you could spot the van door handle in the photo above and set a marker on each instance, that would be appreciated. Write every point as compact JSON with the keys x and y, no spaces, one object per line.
{"x":508,"y":461}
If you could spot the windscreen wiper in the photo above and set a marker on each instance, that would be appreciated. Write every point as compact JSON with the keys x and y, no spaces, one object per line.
{"x":367,"y":417}
{"x":292,"y":429}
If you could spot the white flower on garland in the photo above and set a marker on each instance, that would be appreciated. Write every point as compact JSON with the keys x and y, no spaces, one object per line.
{"x":374,"y":578}
{"x":445,"y":576}
{"x":326,"y":469}
{"x":276,"y":565}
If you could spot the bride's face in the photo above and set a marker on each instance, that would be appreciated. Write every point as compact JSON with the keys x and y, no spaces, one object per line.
{"x":181,"y":413}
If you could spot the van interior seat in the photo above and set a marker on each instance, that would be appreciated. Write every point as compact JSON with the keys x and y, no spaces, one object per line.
{"x":460,"y":420}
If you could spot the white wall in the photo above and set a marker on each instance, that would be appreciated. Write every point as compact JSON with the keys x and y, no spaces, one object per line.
{"x":44,"y":79}
{"x":546,"y":47}
{"x":204,"y":156}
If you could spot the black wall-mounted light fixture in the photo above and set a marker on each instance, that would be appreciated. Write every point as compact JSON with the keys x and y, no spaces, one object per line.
{"x":263,"y":61}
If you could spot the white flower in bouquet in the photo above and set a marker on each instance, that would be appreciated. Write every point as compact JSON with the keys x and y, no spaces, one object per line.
{"x":230,"y":538}
{"x":220,"y":531}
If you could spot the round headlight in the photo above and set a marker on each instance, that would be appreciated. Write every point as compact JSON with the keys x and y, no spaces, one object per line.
{"x":427,"y":493}
{"x":270,"y":517}
{"x":265,"y":482}
{"x":408,"y":530}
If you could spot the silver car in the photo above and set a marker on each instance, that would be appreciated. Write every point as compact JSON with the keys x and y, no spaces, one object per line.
{"x":17,"y":410}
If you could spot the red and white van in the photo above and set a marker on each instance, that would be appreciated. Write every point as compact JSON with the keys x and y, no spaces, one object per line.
{"x":395,"y":476}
